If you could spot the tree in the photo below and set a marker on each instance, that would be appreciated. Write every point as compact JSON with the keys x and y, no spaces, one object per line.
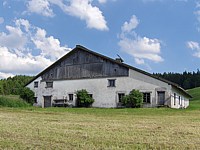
{"x":83,"y":98}
{"x":27,"y":95}
{"x":133,"y":100}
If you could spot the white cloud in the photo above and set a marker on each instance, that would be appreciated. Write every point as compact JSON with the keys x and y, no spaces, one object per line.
{"x":5,"y":75}
{"x":132,"y":24}
{"x":14,"y":39}
{"x":82,"y":9}
{"x":85,"y":11}
{"x":17,"y":55}
{"x":141,"y":48}
{"x":1,"y":20}
{"x":195,"y":47}
{"x":40,"y":7}
{"x":49,"y":46}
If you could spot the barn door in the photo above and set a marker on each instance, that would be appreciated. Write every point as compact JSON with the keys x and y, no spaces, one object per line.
{"x":47,"y":101}
{"x":161,"y":98}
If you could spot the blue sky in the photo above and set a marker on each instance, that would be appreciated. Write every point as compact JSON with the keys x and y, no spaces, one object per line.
{"x":152,"y":35}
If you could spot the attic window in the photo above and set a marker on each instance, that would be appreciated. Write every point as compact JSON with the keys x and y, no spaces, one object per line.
{"x":49,"y":84}
{"x":36,"y":84}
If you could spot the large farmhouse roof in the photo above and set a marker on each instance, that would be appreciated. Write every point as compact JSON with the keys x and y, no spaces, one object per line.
{"x":79,"y":47}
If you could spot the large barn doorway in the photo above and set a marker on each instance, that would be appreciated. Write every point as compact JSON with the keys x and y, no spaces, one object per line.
{"x":47,"y":101}
{"x":161,"y":98}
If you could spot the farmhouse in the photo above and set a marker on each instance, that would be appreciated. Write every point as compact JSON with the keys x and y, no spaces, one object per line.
{"x":107,"y":81}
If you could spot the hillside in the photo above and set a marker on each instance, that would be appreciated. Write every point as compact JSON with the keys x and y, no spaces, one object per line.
{"x":195,"y":92}
{"x":195,"y":101}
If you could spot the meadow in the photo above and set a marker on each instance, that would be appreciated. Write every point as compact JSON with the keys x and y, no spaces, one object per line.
{"x":95,"y":128}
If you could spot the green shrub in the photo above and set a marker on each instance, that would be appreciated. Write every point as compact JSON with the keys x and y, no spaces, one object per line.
{"x":133,"y":100}
{"x":27,"y":95}
{"x":12,"y":102}
{"x":84,"y":99}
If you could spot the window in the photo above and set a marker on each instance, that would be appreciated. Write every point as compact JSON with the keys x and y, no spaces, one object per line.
{"x":71,"y":97}
{"x":174,"y":98}
{"x":179,"y":98}
{"x":35,"y":99}
{"x":49,"y":84}
{"x":120,"y":97}
{"x":90,"y":95}
{"x":36,"y":84}
{"x":111,"y":83}
{"x":146,"y":97}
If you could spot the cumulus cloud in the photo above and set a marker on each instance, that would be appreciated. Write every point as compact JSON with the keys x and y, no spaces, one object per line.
{"x":49,"y":46}
{"x":141,"y":48}
{"x":18,"y":45}
{"x":40,"y":7}
{"x":82,"y":9}
{"x":132,"y":24}
{"x":195,"y":47}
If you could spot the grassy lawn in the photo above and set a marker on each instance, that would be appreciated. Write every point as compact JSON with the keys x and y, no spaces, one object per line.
{"x":93,"y":128}
{"x":59,"y":128}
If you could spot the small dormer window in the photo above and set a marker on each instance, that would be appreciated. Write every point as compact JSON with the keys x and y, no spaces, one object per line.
{"x":36,"y":84}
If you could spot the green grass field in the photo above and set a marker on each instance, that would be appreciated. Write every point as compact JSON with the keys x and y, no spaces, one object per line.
{"x":92,"y":128}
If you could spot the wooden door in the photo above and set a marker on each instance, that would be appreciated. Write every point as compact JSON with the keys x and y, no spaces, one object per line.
{"x":47,"y":101}
{"x":161,"y":98}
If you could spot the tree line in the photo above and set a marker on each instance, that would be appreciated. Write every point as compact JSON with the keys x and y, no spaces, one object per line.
{"x":13,"y":85}
{"x":186,"y":80}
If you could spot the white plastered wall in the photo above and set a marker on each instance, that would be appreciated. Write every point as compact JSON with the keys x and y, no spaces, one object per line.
{"x":104,"y":96}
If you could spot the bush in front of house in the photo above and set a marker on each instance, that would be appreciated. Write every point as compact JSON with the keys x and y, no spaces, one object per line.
{"x":133,"y":100}
{"x":27,"y":95}
{"x":84,"y":99}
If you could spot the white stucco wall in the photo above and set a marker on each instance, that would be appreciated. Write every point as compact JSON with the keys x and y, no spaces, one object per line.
{"x":180,"y":101}
{"x":105,"y":96}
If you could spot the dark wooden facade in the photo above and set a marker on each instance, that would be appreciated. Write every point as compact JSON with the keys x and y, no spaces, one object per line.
{"x":83,"y":64}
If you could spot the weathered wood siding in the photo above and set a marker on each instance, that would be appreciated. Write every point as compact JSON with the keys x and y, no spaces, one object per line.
{"x":82,"y":64}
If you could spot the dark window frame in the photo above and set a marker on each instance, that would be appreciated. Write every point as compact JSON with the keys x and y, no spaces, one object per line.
{"x":174,"y":98}
{"x":36,"y":84}
{"x":35,"y":99}
{"x":120,"y":97}
{"x":71,"y":97}
{"x":111,"y":82}
{"x":90,"y":95}
{"x":147,"y":97}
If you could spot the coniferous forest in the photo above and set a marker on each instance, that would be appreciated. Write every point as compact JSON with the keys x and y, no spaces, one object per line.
{"x":186,"y":80}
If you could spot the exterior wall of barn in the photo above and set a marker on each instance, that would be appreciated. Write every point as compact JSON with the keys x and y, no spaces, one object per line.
{"x":105,"y":96}
{"x":178,"y":100}
{"x":84,"y":69}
